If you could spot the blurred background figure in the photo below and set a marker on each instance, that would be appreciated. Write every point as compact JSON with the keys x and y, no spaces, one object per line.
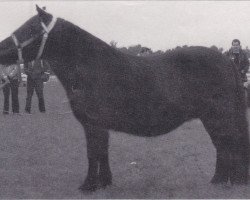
{"x":36,"y":76}
{"x":10,"y":77}
{"x":239,"y":57}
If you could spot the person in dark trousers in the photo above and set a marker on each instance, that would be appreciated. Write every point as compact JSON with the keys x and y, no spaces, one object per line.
{"x":11,"y":77}
{"x":35,"y":71}
{"x":239,"y":57}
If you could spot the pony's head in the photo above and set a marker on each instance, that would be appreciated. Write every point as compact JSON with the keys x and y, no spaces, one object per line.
{"x":25,"y":43}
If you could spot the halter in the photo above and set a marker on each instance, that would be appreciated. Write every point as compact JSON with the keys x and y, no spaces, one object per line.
{"x":45,"y":33}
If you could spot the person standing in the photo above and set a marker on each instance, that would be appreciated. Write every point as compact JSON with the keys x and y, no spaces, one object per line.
{"x":35,"y":71}
{"x":239,"y":57}
{"x":10,"y":76}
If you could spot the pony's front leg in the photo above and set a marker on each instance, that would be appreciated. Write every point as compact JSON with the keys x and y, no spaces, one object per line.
{"x":99,"y":174}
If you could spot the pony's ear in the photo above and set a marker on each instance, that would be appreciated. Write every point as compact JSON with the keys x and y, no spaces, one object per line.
{"x":43,"y":15}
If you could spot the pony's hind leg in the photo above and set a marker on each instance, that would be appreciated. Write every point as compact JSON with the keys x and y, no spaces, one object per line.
{"x":99,"y":174}
{"x":228,"y":131}
{"x":220,"y":140}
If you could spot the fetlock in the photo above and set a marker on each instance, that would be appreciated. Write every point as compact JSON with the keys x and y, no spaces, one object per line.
{"x":105,"y":179}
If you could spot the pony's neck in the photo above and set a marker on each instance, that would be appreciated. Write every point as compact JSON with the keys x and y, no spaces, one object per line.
{"x":75,"y":51}
{"x":71,"y":44}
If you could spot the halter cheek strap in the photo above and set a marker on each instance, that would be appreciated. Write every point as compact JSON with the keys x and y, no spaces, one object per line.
{"x":19,"y":48}
{"x":41,"y":48}
{"x":47,"y":30}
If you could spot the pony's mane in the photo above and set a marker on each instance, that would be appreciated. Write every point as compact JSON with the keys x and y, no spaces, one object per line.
{"x":96,"y":47}
{"x":88,"y":37}
{"x":101,"y":45}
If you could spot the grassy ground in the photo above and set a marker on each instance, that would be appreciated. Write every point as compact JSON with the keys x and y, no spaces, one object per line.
{"x":44,"y":156}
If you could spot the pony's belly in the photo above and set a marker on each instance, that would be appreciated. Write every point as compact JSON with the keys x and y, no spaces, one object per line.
{"x":148,"y":127}
{"x":151,"y":125}
{"x":141,"y":121}
{"x":149,"y":131}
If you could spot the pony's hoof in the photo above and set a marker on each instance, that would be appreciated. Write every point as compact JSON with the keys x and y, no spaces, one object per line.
{"x":217,"y":179}
{"x":86,"y":187}
{"x":239,"y":175}
{"x":105,"y":184}
{"x":238,"y":181}
{"x":105,"y":179}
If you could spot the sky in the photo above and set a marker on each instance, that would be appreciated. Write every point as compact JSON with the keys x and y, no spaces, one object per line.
{"x":159,"y":25}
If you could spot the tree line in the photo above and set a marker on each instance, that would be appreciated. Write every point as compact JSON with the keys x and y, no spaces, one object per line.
{"x":139,"y":50}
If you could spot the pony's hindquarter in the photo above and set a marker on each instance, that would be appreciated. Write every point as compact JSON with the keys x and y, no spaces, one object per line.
{"x":214,"y":89}
{"x":227,"y":126}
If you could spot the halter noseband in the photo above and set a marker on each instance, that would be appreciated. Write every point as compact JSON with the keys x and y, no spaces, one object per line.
{"x":45,"y":32}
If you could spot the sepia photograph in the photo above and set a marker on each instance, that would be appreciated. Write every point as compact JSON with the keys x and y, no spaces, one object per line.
{"x":124,"y":99}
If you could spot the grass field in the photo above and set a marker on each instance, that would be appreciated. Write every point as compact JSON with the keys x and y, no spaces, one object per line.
{"x":44,"y":156}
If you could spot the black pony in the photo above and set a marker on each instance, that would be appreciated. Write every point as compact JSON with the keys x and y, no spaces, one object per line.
{"x":143,"y":96}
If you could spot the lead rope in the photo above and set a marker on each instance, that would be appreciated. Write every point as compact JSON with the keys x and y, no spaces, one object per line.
{"x":39,"y":54}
